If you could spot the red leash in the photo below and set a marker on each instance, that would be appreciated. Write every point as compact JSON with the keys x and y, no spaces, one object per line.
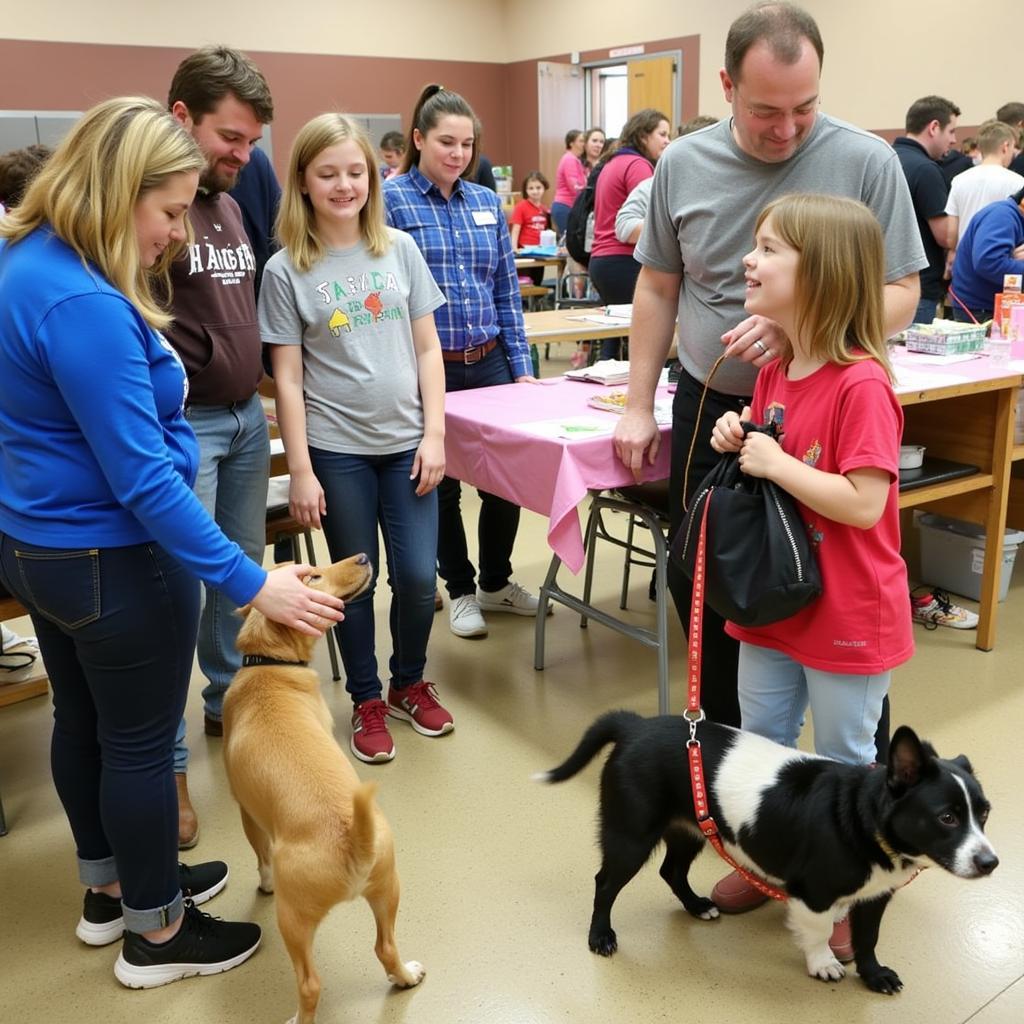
{"x":695,"y":714}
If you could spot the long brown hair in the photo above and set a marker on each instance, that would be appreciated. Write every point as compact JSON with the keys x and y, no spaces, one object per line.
{"x":434,"y":103}
{"x":840,"y":277}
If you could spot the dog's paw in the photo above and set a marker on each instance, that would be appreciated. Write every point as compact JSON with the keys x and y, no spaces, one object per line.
{"x":266,"y":879}
{"x":704,"y":909}
{"x":603,"y":943}
{"x":825,"y":966}
{"x":882,"y":979}
{"x":414,"y":974}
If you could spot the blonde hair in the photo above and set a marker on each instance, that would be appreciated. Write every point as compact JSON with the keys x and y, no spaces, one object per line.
{"x":296,"y":220}
{"x":87,"y":192}
{"x":840,"y":277}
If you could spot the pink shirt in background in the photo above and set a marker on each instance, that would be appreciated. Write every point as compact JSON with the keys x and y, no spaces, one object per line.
{"x":570,"y":178}
{"x":619,"y":177}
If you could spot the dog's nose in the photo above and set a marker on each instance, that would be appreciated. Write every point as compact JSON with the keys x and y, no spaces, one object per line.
{"x":361,"y":559}
{"x":986,"y":862}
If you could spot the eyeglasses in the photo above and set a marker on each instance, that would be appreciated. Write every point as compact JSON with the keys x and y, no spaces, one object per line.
{"x":773,"y":114}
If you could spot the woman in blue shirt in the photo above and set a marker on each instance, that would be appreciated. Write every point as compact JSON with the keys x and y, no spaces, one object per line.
{"x":101,"y":537}
{"x":460,"y":228}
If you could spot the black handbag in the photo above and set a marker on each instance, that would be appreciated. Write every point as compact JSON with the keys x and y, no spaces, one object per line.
{"x":760,"y":566}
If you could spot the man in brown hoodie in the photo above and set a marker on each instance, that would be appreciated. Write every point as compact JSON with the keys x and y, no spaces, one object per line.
{"x":224,"y":101}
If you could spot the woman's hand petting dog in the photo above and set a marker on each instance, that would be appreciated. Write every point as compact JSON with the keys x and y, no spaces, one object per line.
{"x":285,"y":598}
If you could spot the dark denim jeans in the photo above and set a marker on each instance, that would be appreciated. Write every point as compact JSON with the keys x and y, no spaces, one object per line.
{"x":614,"y":277}
{"x":117,"y":630}
{"x":362,"y":493}
{"x":499,"y":519}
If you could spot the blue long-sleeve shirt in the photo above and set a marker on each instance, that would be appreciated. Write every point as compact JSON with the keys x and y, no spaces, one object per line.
{"x":95,"y":450}
{"x":465,"y":242}
{"x":985,"y":253}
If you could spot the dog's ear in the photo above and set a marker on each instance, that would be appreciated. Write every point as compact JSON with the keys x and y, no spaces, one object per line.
{"x":244,"y":610}
{"x":908,"y":758}
{"x":961,"y":761}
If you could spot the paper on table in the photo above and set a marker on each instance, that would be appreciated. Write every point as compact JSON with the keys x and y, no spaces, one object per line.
{"x":935,"y":360}
{"x":602,"y":318}
{"x":908,"y":379}
{"x":570,"y":428}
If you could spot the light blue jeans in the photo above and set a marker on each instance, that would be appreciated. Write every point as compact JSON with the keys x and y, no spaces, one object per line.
{"x":234,"y":465}
{"x":775,"y":692}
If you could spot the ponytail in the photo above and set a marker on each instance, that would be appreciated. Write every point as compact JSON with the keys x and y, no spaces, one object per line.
{"x":434,"y":103}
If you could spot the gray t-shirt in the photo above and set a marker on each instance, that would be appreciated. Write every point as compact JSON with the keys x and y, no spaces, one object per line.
{"x":352,"y":316}
{"x":706,"y":197}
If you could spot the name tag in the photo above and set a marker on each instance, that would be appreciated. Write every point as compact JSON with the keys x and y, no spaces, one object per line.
{"x":482,"y":217}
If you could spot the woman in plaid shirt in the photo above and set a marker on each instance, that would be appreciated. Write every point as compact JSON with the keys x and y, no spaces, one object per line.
{"x":460,"y":229}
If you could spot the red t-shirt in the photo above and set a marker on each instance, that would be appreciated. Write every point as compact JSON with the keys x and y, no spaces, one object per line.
{"x":838,"y":419}
{"x":532,"y":220}
{"x":618,"y":178}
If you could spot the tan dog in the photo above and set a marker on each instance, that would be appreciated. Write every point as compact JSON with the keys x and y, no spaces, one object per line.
{"x":319,"y":836}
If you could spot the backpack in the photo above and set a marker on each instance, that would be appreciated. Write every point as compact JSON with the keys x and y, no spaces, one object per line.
{"x":579,"y":225}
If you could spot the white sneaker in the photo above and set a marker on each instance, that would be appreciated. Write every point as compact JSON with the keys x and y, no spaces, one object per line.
{"x":465,"y":618}
{"x":511,"y":598}
{"x":19,"y":658}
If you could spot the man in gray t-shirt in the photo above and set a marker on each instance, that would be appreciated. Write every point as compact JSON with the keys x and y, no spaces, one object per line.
{"x":707,"y":191}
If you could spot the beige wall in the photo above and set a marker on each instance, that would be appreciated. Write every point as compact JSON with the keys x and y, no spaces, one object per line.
{"x":470,"y":30}
{"x":880,"y":55}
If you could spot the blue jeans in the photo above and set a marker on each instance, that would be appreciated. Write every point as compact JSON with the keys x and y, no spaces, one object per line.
{"x":775,"y":692}
{"x":560,"y":216}
{"x":925,"y":312}
{"x":363,"y":492}
{"x":117,"y":630}
{"x":499,"y":519}
{"x":234,"y":465}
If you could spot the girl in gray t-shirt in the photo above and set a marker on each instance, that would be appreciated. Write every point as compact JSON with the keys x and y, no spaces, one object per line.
{"x":347,"y":306}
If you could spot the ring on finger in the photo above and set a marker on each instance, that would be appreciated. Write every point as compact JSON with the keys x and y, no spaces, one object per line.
{"x":761,"y":345}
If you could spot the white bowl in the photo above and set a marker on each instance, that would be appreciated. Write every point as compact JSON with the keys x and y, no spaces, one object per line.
{"x":911,"y":456}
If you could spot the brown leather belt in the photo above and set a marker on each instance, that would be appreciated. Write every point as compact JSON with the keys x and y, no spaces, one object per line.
{"x":469,"y":355}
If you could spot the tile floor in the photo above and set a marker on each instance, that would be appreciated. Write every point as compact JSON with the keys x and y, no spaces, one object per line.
{"x":497,"y":871}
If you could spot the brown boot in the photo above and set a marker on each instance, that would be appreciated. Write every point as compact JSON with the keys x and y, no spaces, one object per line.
{"x":188,"y":823}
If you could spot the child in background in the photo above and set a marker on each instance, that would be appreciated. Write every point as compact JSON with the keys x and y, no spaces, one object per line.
{"x":347,"y":308}
{"x":392,"y":149}
{"x":818,"y":270}
{"x":528,"y":219}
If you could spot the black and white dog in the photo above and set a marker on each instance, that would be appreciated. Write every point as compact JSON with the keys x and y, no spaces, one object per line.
{"x":839,"y":838}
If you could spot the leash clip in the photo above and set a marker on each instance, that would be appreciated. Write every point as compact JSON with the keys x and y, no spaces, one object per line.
{"x":694,"y":718}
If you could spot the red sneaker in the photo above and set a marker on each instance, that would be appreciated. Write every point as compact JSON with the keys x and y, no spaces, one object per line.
{"x":371,"y":741}
{"x":735,"y":895}
{"x":418,"y":705}
{"x":841,"y":942}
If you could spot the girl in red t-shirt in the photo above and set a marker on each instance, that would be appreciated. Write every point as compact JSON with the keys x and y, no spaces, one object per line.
{"x":529,"y":218}
{"x":818,"y":270}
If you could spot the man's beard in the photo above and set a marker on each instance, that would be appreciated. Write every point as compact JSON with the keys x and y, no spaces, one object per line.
{"x":214,"y":181}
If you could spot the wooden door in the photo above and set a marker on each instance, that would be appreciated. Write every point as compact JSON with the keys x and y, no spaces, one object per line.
{"x":559,"y":109}
{"x":652,"y":83}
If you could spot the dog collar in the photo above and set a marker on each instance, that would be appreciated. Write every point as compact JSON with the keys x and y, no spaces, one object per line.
{"x":248,"y":660}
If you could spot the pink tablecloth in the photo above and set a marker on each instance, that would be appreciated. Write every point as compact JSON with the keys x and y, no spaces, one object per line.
{"x":485,"y":447}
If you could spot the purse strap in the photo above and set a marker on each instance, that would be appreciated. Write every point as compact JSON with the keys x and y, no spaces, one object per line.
{"x":693,"y":440}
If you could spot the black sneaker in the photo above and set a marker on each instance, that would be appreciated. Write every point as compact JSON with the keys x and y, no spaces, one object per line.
{"x":203,"y":945}
{"x":101,"y":922}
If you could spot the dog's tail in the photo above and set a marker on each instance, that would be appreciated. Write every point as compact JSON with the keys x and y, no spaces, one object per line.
{"x":364,"y":828}
{"x":607,"y":729}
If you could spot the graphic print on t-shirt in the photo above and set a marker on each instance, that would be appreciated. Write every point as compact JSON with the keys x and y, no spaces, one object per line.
{"x":360,"y":300}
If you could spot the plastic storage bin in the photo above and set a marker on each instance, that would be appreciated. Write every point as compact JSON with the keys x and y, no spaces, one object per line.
{"x":953,"y":555}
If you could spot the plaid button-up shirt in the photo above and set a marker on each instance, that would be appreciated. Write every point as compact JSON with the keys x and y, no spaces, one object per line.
{"x":465,"y":242}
